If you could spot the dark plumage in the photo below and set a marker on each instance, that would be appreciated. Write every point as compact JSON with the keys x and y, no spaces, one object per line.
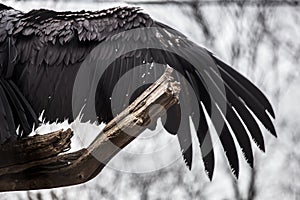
{"x":41,"y":52}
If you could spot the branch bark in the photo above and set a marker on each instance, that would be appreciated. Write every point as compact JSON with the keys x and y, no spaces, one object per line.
{"x":35,"y":170}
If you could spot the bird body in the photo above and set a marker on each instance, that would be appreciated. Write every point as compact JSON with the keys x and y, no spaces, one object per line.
{"x":42,"y":52}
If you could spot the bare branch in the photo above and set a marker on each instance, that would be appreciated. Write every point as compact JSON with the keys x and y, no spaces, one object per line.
{"x":81,"y":166}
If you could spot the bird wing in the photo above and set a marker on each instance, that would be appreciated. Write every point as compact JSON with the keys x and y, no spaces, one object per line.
{"x":229,"y":98}
{"x":132,"y":51}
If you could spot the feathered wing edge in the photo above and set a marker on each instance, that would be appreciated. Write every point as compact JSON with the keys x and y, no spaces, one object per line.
{"x":225,"y":86}
{"x":7,"y":124}
{"x":15,"y":112}
{"x":240,"y":96}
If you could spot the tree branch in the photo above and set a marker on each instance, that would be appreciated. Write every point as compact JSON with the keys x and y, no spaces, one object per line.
{"x":49,"y":170}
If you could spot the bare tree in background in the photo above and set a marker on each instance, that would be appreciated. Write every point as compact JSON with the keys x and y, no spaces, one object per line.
{"x":246,"y":47}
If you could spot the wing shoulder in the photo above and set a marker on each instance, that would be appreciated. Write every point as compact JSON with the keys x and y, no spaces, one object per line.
{"x":70,"y":36}
{"x":85,"y":26}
